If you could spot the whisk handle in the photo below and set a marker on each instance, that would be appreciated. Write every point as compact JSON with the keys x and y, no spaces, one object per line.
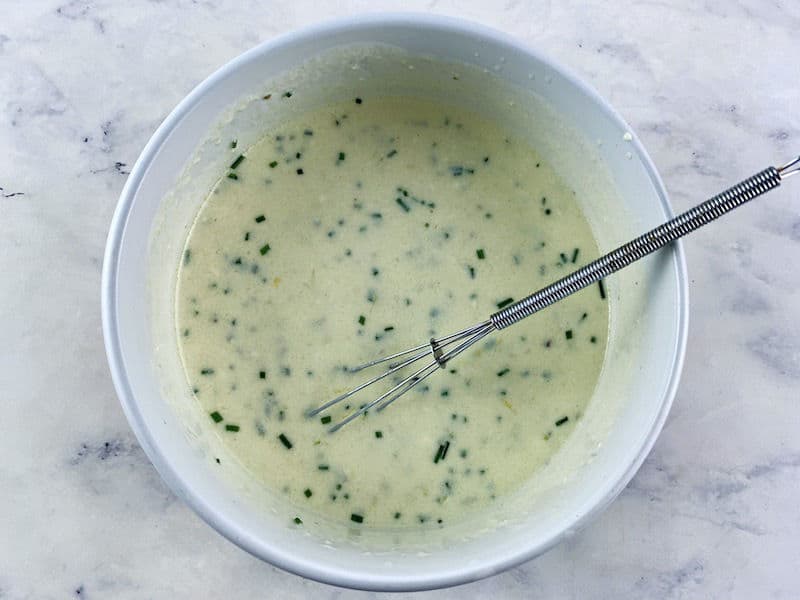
{"x":643,"y":245}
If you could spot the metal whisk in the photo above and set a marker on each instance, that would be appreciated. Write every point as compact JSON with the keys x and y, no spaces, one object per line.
{"x":444,"y":349}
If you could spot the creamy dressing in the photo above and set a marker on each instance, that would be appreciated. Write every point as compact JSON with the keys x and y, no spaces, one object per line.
{"x":360,"y":230}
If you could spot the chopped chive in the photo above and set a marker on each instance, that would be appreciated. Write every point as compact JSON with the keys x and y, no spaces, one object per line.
{"x":285,"y":441}
{"x":298,"y":521}
{"x":233,"y":176}
{"x":389,"y":328}
{"x":397,"y":515}
{"x":480,"y":253}
{"x":362,"y":319}
{"x":568,"y":334}
{"x":593,"y":339}
{"x":378,"y":434}
{"x":341,"y":155}
{"x":575,"y":254}
{"x":273,"y":164}
{"x":264,"y":249}
{"x":308,"y":132}
{"x":602,"y":287}
{"x":325,"y":420}
{"x":391,"y":153}
{"x":561,"y":421}
{"x":234,"y":143}
{"x":260,"y":219}
{"x":246,"y":236}
{"x":323,"y":467}
{"x":471,"y":271}
{"x":287,"y":94}
{"x":216,"y":417}
{"x":563,"y":257}
{"x":262,"y":374}
{"x":358,"y":100}
{"x":504,"y":303}
{"x":206,"y":371}
{"x":230,"y":427}
{"x":442,"y":452}
{"x":404,"y":206}
{"x":503,"y":372}
{"x":238,"y":161}
{"x":356,"y":518}
{"x":187,"y":256}
{"x":299,"y":171}
{"x":308,"y":493}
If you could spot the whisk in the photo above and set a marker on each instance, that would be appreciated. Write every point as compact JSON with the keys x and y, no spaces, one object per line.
{"x":443,"y":350}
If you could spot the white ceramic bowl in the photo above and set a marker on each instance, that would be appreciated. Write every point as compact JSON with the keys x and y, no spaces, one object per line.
{"x":621,"y":193}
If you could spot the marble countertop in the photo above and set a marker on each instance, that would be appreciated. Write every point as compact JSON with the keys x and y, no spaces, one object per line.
{"x":713,"y":93}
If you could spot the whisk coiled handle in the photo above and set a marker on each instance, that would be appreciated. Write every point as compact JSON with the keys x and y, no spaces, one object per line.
{"x":640,"y":247}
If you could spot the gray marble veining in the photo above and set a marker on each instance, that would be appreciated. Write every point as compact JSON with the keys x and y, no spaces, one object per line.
{"x":712,"y":90}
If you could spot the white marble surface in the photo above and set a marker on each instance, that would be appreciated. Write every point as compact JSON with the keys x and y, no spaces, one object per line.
{"x":712,"y":91}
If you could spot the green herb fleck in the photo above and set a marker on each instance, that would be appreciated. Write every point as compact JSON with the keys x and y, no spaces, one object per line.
{"x":362,"y":319}
{"x":504,"y":303}
{"x":391,"y":153}
{"x":308,"y":133}
{"x":561,"y":421}
{"x":403,"y":205}
{"x":342,"y":156}
{"x":358,"y":101}
{"x":593,"y":339}
{"x":298,"y":521}
{"x":273,"y":164}
{"x":234,"y":143}
{"x":441,"y":453}
{"x":287,"y":94}
{"x":262,"y":374}
{"x":207,"y":371}
{"x":356,"y":518}
{"x":260,"y":219}
{"x":325,"y":420}
{"x":233,"y":176}
{"x":323,"y":467}
{"x":480,"y":254}
{"x":308,"y":493}
{"x":458,"y":171}
{"x":233,"y":428}
{"x":575,"y":254}
{"x":216,"y":417}
{"x":602,"y":287}
{"x":299,"y":171}
{"x":285,"y":441}
{"x":568,"y":334}
{"x":264,"y":249}
{"x":503,"y":372}
{"x":378,"y":434}
{"x":238,"y":161}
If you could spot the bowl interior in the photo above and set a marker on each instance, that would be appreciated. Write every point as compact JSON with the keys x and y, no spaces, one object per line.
{"x":587,"y":143}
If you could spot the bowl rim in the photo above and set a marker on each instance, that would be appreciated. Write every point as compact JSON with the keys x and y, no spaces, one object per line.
{"x":182,"y":485}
